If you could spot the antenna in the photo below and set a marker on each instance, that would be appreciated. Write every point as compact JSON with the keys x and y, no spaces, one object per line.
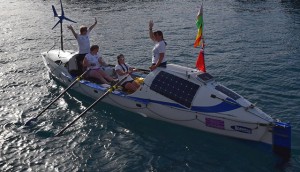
{"x":61,"y":18}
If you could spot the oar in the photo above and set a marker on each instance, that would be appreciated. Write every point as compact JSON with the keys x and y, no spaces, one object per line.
{"x":74,"y":82}
{"x":146,"y":71}
{"x":111,"y":89}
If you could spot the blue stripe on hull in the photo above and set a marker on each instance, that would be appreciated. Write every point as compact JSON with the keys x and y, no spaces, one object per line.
{"x":222,"y":107}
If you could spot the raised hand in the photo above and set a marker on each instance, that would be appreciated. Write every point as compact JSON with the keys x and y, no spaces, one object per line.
{"x":151,"y":24}
{"x":70,"y":27}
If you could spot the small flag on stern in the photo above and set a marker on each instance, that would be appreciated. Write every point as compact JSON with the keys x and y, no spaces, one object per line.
{"x":200,"y":63}
{"x":199,"y":24}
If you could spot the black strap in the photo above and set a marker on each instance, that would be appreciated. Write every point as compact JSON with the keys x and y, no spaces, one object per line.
{"x":124,"y":68}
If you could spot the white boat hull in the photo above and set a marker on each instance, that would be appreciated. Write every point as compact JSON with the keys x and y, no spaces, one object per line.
{"x":211,"y":110}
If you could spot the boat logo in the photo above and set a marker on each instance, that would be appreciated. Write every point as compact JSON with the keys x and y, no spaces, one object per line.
{"x":242,"y":129}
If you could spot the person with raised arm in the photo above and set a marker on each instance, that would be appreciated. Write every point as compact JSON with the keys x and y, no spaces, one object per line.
{"x":83,"y":41}
{"x":159,"y":50}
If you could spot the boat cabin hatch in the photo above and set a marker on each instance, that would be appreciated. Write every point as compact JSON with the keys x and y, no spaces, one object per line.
{"x":227,"y":92}
{"x":205,"y":77}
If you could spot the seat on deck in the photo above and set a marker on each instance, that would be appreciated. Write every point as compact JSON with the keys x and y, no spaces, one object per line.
{"x":75,"y":66}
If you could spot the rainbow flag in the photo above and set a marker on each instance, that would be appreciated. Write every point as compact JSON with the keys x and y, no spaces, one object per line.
{"x":199,"y":24}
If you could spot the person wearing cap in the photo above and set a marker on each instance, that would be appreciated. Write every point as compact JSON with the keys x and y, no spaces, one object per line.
{"x":124,"y":70}
{"x":159,"y":50}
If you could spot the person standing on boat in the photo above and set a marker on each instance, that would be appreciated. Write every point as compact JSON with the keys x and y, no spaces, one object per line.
{"x":159,"y":49}
{"x":123,"y":69}
{"x":94,"y":62}
{"x":83,"y":41}
{"x":83,"y":38}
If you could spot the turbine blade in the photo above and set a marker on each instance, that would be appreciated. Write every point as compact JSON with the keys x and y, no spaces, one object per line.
{"x":59,"y":21}
{"x":69,"y":20}
{"x":54,"y":11}
{"x":62,"y":9}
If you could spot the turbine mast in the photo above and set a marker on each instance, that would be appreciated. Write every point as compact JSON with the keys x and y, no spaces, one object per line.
{"x":61,"y":18}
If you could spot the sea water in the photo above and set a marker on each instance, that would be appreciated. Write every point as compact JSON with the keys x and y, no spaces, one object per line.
{"x":251,"y":47}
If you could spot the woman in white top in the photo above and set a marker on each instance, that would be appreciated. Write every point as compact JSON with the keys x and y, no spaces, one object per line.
{"x":83,"y":40}
{"x":123,"y":69}
{"x":94,"y":62}
{"x":159,"y":50}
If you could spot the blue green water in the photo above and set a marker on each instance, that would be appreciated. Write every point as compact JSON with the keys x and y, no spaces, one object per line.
{"x":252,"y":47}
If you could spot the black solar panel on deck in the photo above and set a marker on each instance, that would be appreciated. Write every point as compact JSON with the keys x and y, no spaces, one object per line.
{"x":174,"y":88}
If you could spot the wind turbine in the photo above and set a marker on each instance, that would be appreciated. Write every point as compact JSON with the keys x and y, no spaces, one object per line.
{"x":61,"y":18}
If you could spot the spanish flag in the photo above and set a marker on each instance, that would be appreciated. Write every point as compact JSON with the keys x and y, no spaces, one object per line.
{"x":199,"y":24}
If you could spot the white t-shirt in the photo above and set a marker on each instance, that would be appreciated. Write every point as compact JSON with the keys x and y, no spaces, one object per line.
{"x":83,"y":43}
{"x":123,"y":68}
{"x":94,"y":59}
{"x":160,"y":47}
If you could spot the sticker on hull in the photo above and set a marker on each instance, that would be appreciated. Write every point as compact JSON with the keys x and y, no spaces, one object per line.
{"x":242,"y":129}
{"x":214,"y":123}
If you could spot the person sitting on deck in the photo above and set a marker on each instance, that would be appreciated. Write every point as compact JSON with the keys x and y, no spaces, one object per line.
{"x":94,"y":62}
{"x":123,"y":69}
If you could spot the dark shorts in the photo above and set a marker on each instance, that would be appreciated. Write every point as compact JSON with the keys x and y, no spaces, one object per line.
{"x":79,"y":60}
{"x":164,"y":64}
{"x":123,"y":85}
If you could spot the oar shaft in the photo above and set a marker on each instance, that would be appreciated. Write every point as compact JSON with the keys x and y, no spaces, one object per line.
{"x":59,"y":96}
{"x":73,"y":83}
{"x":143,"y":70}
{"x":92,"y":105}
{"x":83,"y":113}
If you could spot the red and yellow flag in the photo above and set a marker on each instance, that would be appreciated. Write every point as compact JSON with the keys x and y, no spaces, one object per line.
{"x":199,"y":24}
{"x":200,"y":63}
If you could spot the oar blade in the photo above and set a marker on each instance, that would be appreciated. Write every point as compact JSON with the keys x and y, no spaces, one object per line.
{"x":30,"y":121}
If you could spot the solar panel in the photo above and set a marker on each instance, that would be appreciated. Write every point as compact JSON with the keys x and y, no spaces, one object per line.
{"x":174,"y":88}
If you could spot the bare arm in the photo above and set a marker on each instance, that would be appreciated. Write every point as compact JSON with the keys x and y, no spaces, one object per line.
{"x":102,"y":62}
{"x":131,"y":69}
{"x":120,"y":72}
{"x":151,"y":35}
{"x":91,"y":27}
{"x":85,"y":63}
{"x":71,"y":28}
